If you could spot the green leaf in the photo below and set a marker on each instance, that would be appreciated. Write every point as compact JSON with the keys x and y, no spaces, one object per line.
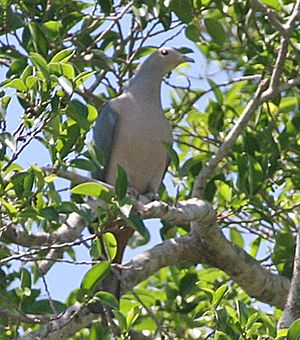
{"x":83,"y":295}
{"x":4,"y":102}
{"x":63,"y":56}
{"x":23,"y":183}
{"x":25,"y":278}
{"x":108,"y":299}
{"x":106,"y":6}
{"x":219,"y":294}
{"x":53,"y":29}
{"x":96,"y":155}
{"x":192,"y":32}
{"x":183,"y":9}
{"x":236,"y":237}
{"x":17,"y":67}
{"x":96,"y":249}
{"x":254,"y":328}
{"x":221,"y":336}
{"x":283,"y":253}
{"x":216,"y":117}
{"x":138,"y":225}
{"x":92,"y":113}
{"x":187,"y":284}
{"x":110,"y":245}
{"x":68,"y":139}
{"x":43,"y":307}
{"x":254,"y":246}
{"x":145,"y":323}
{"x":79,"y":112}
{"x":282,"y":334}
{"x":82,"y":77}
{"x":251,"y":320}
{"x":60,"y":69}
{"x":85,"y":164}
{"x":40,"y":42}
{"x":144,"y":51}
{"x":172,"y":154}
{"x":31,"y":81}
{"x":99,"y":331}
{"x":121,"y":185}
{"x":250,"y":174}
{"x":9,"y":207}
{"x":97,"y":273}
{"x":287,"y":104}
{"x":9,"y":20}
{"x":272,"y":3}
{"x":90,"y":189}
{"x":121,"y":320}
{"x":215,"y":30}
{"x":132,"y":316}
{"x":49,"y":213}
{"x":102,"y":60}
{"x":216,"y":90}
{"x":17,"y":84}
{"x":192,"y":166}
{"x":242,"y":311}
{"x":40,"y":63}
{"x":294,"y":330}
{"x":224,"y":191}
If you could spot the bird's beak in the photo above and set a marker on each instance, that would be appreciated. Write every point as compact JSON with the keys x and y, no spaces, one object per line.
{"x":186,"y":59}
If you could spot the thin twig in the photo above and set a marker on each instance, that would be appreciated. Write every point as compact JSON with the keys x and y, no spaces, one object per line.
{"x":270,"y":14}
{"x":230,"y":139}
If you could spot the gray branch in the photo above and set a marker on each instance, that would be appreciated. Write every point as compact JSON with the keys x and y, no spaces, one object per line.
{"x":205,"y":244}
{"x":291,"y":310}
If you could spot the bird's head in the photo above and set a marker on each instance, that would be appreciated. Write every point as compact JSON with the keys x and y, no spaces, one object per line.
{"x":155,"y":67}
{"x":170,"y":57}
{"x":163,"y":60}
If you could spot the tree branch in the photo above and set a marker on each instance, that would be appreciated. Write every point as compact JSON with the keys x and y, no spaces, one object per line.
{"x":72,"y":320}
{"x":207,"y":244}
{"x":257,"y":281}
{"x":291,"y":310}
{"x":28,"y":318}
{"x":270,"y":14}
{"x":224,"y":150}
{"x":261,"y":95}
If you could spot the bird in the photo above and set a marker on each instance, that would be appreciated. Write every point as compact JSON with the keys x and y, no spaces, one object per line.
{"x":131,"y":130}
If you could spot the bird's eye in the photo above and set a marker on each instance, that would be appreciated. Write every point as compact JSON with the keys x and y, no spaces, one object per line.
{"x":164,"y":52}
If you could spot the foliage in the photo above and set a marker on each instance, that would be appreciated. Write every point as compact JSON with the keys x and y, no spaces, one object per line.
{"x":62,"y":60}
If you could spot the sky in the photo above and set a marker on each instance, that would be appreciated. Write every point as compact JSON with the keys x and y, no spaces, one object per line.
{"x":63,"y":278}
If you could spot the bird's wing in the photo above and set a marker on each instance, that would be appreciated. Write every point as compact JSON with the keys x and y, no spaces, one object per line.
{"x":104,"y":131}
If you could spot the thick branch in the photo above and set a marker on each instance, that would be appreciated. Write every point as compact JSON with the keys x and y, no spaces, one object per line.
{"x":291,"y":310}
{"x":207,"y":245}
{"x":28,"y":318}
{"x":245,"y":270}
{"x":68,"y":323}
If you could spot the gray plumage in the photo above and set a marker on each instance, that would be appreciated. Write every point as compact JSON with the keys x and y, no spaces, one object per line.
{"x":131,"y":129}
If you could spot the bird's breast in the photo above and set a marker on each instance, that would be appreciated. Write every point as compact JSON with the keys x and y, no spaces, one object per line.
{"x":139,"y":148}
